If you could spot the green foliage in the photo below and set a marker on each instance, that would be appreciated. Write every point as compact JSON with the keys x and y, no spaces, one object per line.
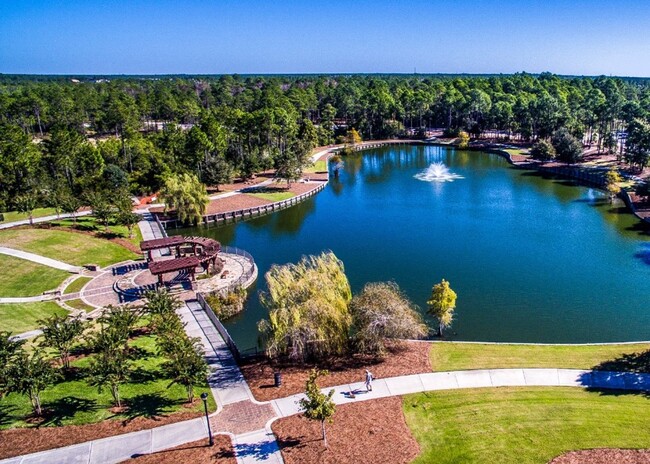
{"x":61,"y":333}
{"x":612,"y":181}
{"x":442,"y":304}
{"x":542,"y":151}
{"x":186,"y":364}
{"x":463,"y":140}
{"x":308,"y":308}
{"x":567,"y":147}
{"x":187,"y":195}
{"x":30,"y":375}
{"x":318,"y":406}
{"x":637,"y":145}
{"x":381,"y":311}
{"x":10,"y":350}
{"x":226,"y":306}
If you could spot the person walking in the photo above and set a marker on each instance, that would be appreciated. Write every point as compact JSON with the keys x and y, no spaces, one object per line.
{"x":369,"y":380}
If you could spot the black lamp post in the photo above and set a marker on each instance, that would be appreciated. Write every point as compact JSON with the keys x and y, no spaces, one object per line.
{"x":204,"y":397}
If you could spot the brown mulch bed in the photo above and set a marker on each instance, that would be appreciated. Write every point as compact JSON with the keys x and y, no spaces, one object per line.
{"x":604,"y":456}
{"x":300,"y":188}
{"x":14,"y":442}
{"x":368,"y":432}
{"x":409,"y":358}
{"x":198,"y":451}
{"x":234,"y":202}
{"x":240,"y":183}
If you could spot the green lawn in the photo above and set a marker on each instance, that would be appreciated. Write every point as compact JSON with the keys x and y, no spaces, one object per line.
{"x":522,"y":425}
{"x":319,"y":166}
{"x":21,"y":317}
{"x":80,"y":304}
{"x":273,"y":196}
{"x":76,"y":285}
{"x":516,"y":151}
{"x":26,"y":278}
{"x":459,"y":356}
{"x":69,"y":247}
{"x":90,"y":223}
{"x":12,"y":216}
{"x":75,"y":402}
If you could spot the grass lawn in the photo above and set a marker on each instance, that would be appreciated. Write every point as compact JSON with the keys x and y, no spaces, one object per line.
{"x":12,"y":216}
{"x":76,"y":285}
{"x":459,"y":356}
{"x":522,"y":425}
{"x":69,"y":247}
{"x":80,"y":304}
{"x":516,"y":151}
{"x":273,"y":196}
{"x":319,"y":166}
{"x":26,"y":278}
{"x":75,"y":402}
{"x":90,"y":223}
{"x":21,"y":317}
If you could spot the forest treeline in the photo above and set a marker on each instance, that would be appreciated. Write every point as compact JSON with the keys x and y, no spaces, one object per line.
{"x":62,"y":138}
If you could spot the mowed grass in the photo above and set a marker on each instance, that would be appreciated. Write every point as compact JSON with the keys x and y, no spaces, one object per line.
{"x":273,"y":196}
{"x":69,"y":247}
{"x":460,"y":356}
{"x":21,"y":317}
{"x":12,"y":216}
{"x":26,"y":278}
{"x":522,"y":425}
{"x":91,"y":224}
{"x":75,"y":402}
{"x":76,"y":285}
{"x":318,"y":166}
{"x":80,"y":304}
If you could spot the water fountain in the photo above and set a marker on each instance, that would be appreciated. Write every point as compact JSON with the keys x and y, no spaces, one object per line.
{"x":437,"y":172}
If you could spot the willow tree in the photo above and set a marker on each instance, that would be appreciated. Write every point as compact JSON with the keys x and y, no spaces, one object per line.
{"x":308,"y":308}
{"x":442,"y":304}
{"x":187,"y":195}
{"x":380,"y":312}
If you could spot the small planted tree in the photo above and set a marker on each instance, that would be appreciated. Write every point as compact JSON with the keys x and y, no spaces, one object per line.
{"x":463,"y":140}
{"x":120,"y":320}
{"x":186,"y":365}
{"x":26,"y":204}
{"x":30,"y":375}
{"x":61,"y":333}
{"x":612,"y":181}
{"x":442,"y":304}
{"x":10,"y":349}
{"x":542,"y":151}
{"x":318,"y":406}
{"x":380,"y":312}
{"x":110,"y":368}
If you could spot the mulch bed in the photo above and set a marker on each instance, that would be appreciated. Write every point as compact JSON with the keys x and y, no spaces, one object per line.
{"x":14,"y":442}
{"x":234,"y":202}
{"x":198,"y":451}
{"x":604,"y":456}
{"x":368,"y":432}
{"x":407,"y":358}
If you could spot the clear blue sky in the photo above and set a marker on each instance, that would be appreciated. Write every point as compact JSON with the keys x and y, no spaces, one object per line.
{"x":244,"y":36}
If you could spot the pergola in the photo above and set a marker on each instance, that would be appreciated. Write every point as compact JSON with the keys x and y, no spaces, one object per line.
{"x":205,"y":252}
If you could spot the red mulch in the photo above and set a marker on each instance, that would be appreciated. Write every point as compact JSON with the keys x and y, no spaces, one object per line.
{"x":604,"y":456}
{"x":14,"y":442}
{"x":300,"y":188}
{"x":368,"y":432}
{"x":234,"y":202}
{"x":240,"y":183}
{"x":409,"y":358}
{"x":197,"y":452}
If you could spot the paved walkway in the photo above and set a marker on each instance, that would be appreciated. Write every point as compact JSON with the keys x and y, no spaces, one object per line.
{"x":25,"y":222}
{"x":40,"y":260}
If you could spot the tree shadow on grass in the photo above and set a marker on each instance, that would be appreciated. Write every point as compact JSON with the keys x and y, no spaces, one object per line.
{"x":55,"y":412}
{"x":141,"y":375}
{"x":629,"y":362}
{"x":149,"y":406}
{"x":7,"y":415}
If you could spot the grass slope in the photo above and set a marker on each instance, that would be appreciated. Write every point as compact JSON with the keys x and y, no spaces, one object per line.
{"x":66,"y":246}
{"x":76,"y":285}
{"x":460,"y":356}
{"x":12,"y":216}
{"x":527,"y":425}
{"x":273,"y":196}
{"x":21,"y":317}
{"x":75,"y":402}
{"x":26,"y":278}
{"x":90,"y":224}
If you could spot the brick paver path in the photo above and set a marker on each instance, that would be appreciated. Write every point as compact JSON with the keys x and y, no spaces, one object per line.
{"x":243,"y":417}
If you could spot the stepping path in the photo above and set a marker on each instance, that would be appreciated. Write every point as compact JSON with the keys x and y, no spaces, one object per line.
{"x":40,"y":260}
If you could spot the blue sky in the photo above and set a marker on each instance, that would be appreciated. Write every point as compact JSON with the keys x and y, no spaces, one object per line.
{"x":244,"y":36}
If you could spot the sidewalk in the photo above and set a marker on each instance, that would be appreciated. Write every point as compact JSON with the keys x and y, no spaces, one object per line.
{"x":25,"y":222}
{"x":40,"y":260}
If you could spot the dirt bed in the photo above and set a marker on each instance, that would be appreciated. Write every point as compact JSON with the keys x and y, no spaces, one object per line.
{"x":604,"y":456}
{"x":409,"y":358}
{"x":234,"y":202}
{"x":198,"y":452}
{"x":15,"y":442}
{"x":366,"y":432}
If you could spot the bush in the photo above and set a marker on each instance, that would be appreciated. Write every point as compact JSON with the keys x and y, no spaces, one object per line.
{"x":226,"y":306}
{"x":567,"y":147}
{"x":542,"y":151}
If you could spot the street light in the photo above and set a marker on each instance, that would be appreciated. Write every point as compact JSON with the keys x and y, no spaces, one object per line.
{"x":204,"y":397}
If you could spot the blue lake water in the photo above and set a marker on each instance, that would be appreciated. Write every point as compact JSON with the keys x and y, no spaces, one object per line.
{"x":532,"y":259}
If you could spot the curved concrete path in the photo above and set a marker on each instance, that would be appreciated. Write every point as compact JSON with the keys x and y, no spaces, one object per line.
{"x":40,"y":260}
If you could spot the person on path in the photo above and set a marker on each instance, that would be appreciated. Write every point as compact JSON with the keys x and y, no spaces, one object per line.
{"x":368,"y":380}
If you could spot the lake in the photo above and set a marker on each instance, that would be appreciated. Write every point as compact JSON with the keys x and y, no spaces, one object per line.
{"x":532,"y":259}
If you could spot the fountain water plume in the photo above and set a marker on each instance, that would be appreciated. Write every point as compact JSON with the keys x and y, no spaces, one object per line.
{"x":437,"y":172}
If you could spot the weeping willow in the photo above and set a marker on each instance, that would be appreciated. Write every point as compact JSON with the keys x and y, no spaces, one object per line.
{"x":308,"y":308}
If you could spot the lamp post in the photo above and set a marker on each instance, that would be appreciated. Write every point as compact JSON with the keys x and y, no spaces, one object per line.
{"x":204,"y":397}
